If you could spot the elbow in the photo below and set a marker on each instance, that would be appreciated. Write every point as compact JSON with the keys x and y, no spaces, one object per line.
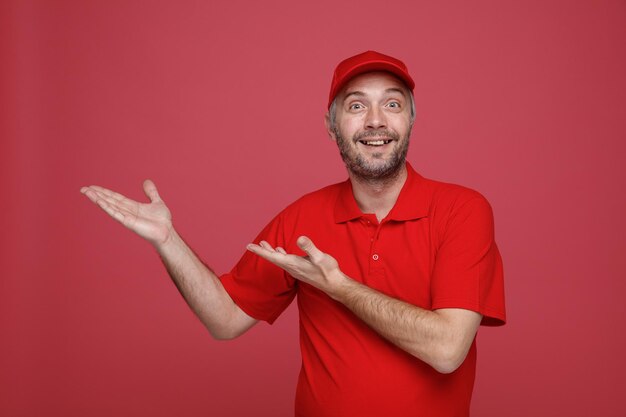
{"x":223,"y":331}
{"x":446,"y":366}
{"x":222,"y":334}
{"x":449,"y":359}
{"x":228,"y":327}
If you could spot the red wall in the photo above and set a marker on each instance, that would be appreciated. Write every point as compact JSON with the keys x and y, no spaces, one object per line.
{"x":221,"y":104}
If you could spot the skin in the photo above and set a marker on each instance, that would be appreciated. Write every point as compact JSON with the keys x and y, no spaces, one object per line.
{"x":372,"y":106}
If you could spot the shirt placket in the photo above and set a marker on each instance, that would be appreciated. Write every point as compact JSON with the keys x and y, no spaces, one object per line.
{"x":376,"y":270}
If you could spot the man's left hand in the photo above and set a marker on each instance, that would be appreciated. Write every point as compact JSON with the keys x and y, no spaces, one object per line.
{"x":317,"y":268}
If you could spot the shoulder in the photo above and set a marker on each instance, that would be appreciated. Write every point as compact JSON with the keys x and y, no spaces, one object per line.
{"x":319,"y":202}
{"x":324,"y":195}
{"x":444,"y":196}
{"x":460,"y":214}
{"x":453,"y":207}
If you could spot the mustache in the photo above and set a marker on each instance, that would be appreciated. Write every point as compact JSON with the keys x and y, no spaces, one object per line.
{"x":378,"y":133}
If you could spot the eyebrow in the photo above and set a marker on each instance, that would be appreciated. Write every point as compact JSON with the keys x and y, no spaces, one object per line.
{"x":361,"y":94}
{"x":395,"y":90}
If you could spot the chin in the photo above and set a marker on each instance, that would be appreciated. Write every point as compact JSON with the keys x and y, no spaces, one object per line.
{"x":383,"y":171}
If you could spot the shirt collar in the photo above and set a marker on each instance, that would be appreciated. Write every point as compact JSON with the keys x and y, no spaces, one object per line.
{"x":412,"y":202}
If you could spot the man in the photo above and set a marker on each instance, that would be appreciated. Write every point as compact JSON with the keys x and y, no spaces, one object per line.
{"x":394,"y":272}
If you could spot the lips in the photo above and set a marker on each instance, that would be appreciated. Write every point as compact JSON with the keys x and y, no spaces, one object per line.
{"x":375,"y":142}
{"x":378,"y":137}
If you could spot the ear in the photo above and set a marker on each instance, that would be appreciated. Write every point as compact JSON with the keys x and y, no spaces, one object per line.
{"x":329,"y":130}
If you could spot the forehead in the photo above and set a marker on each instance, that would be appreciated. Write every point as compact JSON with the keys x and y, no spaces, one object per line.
{"x":372,"y":83}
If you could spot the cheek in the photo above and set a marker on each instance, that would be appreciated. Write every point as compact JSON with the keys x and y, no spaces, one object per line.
{"x":402,"y":125}
{"x":348,"y":128}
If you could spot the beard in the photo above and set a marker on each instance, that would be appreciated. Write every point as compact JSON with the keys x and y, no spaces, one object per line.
{"x":379,"y":169}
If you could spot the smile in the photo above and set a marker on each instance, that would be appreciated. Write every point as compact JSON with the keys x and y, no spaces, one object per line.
{"x":378,"y":142}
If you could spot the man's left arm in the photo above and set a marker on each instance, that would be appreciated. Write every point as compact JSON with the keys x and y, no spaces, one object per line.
{"x":440,"y":338}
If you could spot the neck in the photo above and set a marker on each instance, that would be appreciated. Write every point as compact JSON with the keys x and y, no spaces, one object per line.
{"x":378,"y":196}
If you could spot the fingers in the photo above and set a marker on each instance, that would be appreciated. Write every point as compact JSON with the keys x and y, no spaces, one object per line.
{"x":309,"y":248}
{"x":266,"y":246}
{"x":111,"y":211}
{"x":148,"y":187}
{"x":115,"y":205}
{"x":104,"y":191}
{"x":278,"y":256}
{"x":95,"y":194}
{"x":108,"y":205}
{"x":262,"y":250}
{"x":265,"y":250}
{"x":151,"y":191}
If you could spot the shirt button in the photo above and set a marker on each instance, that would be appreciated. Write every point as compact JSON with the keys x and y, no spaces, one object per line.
{"x":375,"y":256}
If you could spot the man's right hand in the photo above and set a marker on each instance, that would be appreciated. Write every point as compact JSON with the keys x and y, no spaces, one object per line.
{"x":152,"y":221}
{"x":200,"y":287}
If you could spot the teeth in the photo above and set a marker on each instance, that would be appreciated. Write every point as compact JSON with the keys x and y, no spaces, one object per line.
{"x":375,"y":142}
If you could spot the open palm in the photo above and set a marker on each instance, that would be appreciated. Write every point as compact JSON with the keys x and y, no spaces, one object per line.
{"x":152,"y":221}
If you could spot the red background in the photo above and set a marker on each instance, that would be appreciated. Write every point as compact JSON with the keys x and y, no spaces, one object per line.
{"x":221,"y":104}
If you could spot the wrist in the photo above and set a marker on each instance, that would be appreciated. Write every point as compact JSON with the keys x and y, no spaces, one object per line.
{"x":342,"y":285}
{"x":169,"y":240}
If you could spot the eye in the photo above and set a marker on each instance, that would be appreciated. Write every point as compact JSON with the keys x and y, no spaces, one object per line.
{"x":355,"y":106}
{"x":393,"y":104}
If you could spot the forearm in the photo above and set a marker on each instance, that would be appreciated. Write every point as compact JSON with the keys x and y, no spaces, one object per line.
{"x":202,"y":290}
{"x":427,"y":335}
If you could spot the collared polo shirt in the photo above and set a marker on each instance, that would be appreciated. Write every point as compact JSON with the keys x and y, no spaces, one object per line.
{"x":435,"y":249}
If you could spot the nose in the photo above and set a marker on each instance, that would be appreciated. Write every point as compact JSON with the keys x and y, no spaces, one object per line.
{"x":375,"y":118}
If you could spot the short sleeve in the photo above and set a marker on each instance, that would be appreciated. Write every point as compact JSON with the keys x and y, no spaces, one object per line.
{"x":257,"y":286}
{"x":468,"y":270}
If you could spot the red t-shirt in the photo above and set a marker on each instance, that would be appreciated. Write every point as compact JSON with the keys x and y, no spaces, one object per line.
{"x":435,"y":249}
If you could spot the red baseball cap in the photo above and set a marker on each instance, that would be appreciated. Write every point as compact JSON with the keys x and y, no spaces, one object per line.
{"x":367,"y":62}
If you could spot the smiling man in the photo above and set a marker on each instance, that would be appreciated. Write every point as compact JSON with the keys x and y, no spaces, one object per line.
{"x":394,"y":272}
{"x":387,"y":126}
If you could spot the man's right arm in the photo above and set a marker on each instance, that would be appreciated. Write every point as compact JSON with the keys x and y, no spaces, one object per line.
{"x":202,"y":290}
{"x":199,"y":286}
